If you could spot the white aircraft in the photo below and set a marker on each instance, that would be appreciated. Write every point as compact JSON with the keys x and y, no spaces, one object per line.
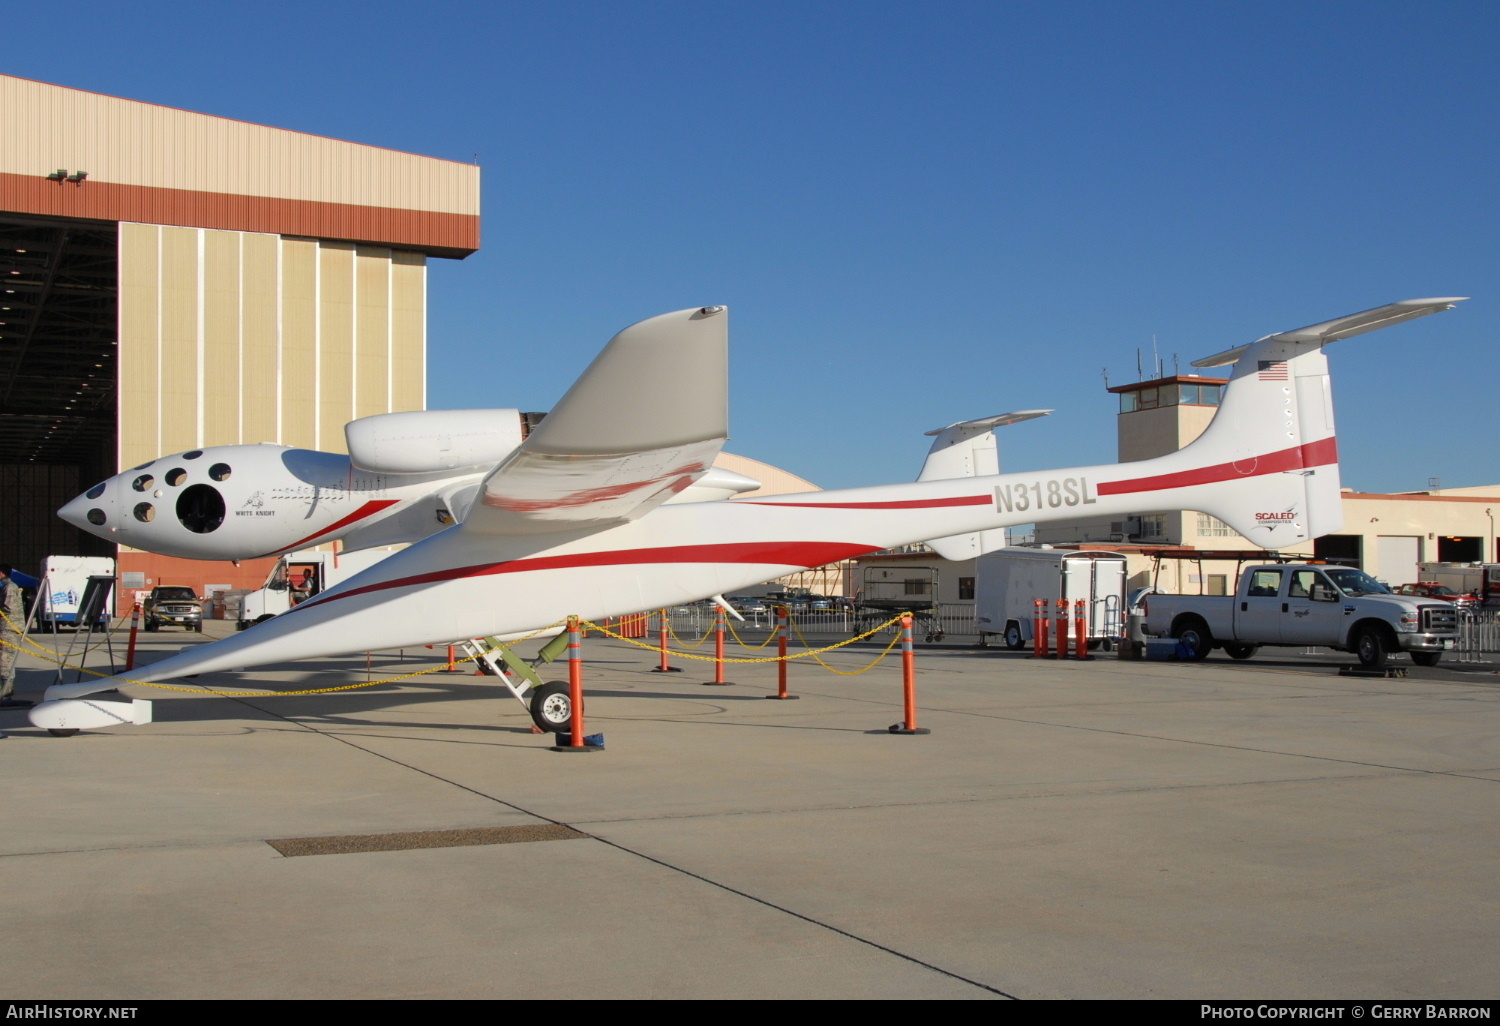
{"x":576,"y":519}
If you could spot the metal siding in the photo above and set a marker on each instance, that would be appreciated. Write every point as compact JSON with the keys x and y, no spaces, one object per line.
{"x":138,"y":344}
{"x":372,"y":352}
{"x":159,"y":165}
{"x":260,"y":360}
{"x":299,"y":313}
{"x":221,"y":339}
{"x":335,"y":406}
{"x":408,"y":331}
{"x":179,"y":339}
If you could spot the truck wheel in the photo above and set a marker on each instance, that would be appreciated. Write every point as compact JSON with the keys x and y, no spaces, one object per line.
{"x":1426,"y":658}
{"x":1195,"y":636}
{"x":1369,"y":646}
{"x":152,"y":626}
{"x":1238,"y":651}
{"x":1013,"y":637}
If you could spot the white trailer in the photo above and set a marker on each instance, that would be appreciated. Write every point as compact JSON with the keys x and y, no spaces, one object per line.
{"x":285,"y":585}
{"x":64,"y":579}
{"x":1009,"y":581}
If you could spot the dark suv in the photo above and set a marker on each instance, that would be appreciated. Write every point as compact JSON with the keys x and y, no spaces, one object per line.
{"x":173,"y":604}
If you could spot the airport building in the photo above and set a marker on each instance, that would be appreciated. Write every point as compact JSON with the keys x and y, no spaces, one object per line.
{"x":172,"y":280}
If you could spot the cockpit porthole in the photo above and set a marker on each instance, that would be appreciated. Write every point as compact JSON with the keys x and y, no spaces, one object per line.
{"x":143,"y":466}
{"x":200,"y":508}
{"x":97,"y":517}
{"x":176,"y":476}
{"x":219,"y":472}
{"x":96,"y":491}
{"x":143,"y":483}
{"x":192,"y":455}
{"x":145,"y":512}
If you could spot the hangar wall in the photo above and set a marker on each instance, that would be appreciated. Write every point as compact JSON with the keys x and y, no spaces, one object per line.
{"x":237,"y":337}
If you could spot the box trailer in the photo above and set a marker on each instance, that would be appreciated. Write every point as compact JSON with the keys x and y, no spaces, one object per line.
{"x":1009,"y":581}
{"x":63,"y":584}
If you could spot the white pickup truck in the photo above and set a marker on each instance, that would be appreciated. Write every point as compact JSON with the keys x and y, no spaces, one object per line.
{"x":1299,"y":604}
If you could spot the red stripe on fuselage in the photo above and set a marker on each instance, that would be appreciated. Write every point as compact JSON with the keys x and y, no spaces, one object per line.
{"x":1300,"y":457}
{"x":806,"y":554}
{"x":369,"y":509}
{"x":963,"y":500}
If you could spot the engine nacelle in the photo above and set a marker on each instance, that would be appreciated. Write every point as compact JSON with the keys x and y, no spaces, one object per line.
{"x":424,"y":441}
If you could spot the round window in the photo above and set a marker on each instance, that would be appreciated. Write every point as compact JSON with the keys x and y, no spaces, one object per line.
{"x":176,"y":476}
{"x":97,"y":517}
{"x":219,"y":472}
{"x":145,"y":512}
{"x":96,"y":491}
{"x":200,"y":508}
{"x":192,"y":455}
{"x":143,"y":483}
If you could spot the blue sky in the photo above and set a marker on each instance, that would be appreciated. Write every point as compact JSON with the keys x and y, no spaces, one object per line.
{"x":918,"y":213}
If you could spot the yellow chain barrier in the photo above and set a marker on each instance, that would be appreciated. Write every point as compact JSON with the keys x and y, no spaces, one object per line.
{"x":812,"y":652}
{"x":850,"y":673}
{"x":741,"y":641}
{"x":45,"y":654}
{"x":697,"y":644}
{"x":218,"y":692}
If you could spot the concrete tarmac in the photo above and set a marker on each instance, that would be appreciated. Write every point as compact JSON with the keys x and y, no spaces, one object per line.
{"x":1103,"y":829}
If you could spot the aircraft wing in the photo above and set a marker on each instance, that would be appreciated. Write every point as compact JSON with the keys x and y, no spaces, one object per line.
{"x":1343,"y":327}
{"x":642,"y":424}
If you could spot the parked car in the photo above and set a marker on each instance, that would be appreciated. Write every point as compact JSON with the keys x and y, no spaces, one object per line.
{"x":174,"y":604}
{"x":746,"y":603}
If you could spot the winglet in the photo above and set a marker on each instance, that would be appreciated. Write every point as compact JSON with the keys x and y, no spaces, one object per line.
{"x":1343,"y":327}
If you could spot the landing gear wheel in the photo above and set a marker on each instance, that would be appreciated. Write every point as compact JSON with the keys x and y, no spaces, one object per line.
{"x":933,"y":637}
{"x":1370,"y":648}
{"x":552,"y":707}
{"x":1426,"y":658}
{"x":59,"y":732}
{"x":1195,"y":636}
{"x":1013,"y":638}
{"x":1236,"y":651}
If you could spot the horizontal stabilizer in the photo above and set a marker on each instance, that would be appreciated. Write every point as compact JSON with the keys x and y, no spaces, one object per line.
{"x":1343,"y":327}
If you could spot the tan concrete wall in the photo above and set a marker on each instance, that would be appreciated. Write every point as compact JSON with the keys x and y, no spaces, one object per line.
{"x":236,"y":338}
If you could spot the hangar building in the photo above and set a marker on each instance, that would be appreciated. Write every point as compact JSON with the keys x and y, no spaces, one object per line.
{"x":171,"y":280}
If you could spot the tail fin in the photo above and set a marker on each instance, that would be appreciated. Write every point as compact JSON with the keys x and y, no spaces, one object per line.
{"x":969,"y":449}
{"x":1271,"y":450}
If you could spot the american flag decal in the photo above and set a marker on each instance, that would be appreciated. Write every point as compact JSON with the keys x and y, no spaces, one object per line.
{"x":1271,"y":370}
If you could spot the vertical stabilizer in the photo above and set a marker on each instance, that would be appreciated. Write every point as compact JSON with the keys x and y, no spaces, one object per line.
{"x":969,"y":449}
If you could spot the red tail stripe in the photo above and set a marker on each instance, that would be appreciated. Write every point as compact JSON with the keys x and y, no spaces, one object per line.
{"x":368,"y":509}
{"x":806,"y":554}
{"x":1313,"y":454}
{"x":963,"y":500}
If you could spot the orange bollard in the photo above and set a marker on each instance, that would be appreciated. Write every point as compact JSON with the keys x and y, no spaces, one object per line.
{"x":718,"y":652}
{"x":781,"y":639}
{"x":1081,"y":630}
{"x":452,"y":666}
{"x":1062,"y":629}
{"x":1039,"y":630}
{"x":575,"y":693}
{"x":665,"y":666}
{"x":135,"y":626}
{"x":908,"y":683}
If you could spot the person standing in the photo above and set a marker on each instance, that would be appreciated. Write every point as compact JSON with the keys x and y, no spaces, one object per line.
{"x":10,"y":630}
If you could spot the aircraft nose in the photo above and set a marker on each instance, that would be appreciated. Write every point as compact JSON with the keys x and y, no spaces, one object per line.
{"x":88,"y":511}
